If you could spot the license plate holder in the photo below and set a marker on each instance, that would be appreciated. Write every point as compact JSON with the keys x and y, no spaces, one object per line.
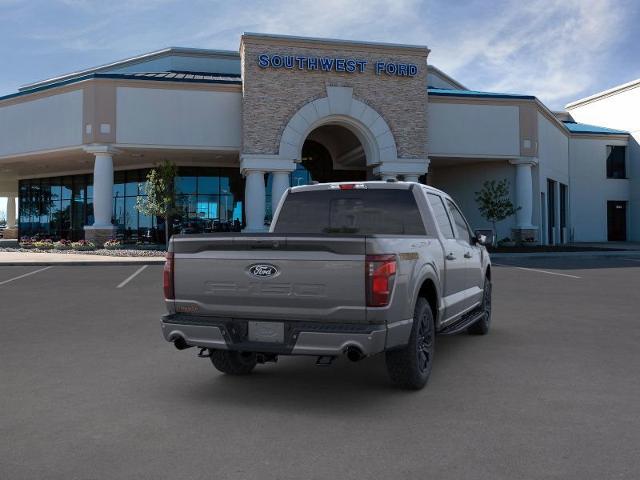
{"x":266,"y":332}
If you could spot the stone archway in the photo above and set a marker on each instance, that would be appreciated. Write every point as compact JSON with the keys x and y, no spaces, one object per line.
{"x":340,"y":108}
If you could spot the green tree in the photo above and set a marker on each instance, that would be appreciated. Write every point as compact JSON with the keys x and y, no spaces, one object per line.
{"x":494,"y":202}
{"x":160,"y":199}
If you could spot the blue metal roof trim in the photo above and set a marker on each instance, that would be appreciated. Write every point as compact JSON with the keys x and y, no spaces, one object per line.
{"x":445,"y":92}
{"x":227,"y":79}
{"x":575,"y":127}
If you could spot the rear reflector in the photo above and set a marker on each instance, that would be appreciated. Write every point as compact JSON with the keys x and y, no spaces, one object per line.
{"x":380,"y":273}
{"x":167,"y":277}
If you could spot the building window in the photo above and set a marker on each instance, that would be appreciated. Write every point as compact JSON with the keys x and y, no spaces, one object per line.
{"x":207,"y":199}
{"x":56,"y":207}
{"x":616,"y":161}
{"x":564,"y":201}
{"x":551,"y":211}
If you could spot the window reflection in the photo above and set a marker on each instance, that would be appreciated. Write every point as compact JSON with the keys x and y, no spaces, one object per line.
{"x":207,"y":200}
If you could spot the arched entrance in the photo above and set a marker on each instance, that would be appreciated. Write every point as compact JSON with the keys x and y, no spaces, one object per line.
{"x":332,"y":153}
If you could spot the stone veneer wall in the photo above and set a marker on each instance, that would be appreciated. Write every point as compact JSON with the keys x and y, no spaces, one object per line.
{"x":271,"y":96}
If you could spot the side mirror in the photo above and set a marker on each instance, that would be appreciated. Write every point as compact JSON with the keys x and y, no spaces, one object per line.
{"x":484,"y":237}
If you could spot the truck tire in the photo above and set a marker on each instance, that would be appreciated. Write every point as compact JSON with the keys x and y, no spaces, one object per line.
{"x":233,"y":363}
{"x":410,"y":366}
{"x":481,"y":327}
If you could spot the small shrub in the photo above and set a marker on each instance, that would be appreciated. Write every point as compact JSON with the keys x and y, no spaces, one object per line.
{"x":83,"y":245}
{"x":62,"y":245}
{"x":43,"y":244}
{"x":26,"y":242}
{"x":112,"y":244}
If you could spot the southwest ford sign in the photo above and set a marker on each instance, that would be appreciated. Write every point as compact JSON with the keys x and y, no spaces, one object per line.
{"x":334,"y":64}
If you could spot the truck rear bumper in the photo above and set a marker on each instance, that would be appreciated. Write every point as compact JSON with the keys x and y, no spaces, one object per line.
{"x":300,"y":338}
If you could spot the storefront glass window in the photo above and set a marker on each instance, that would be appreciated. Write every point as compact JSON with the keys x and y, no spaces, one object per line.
{"x":207,"y":199}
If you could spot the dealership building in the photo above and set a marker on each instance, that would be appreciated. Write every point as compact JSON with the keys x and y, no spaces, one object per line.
{"x":284,"y":111}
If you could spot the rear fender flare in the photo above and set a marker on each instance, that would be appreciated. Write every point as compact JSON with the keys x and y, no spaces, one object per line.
{"x":428,"y":272}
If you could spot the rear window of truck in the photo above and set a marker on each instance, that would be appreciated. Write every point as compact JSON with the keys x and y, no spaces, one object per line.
{"x":358,"y":212}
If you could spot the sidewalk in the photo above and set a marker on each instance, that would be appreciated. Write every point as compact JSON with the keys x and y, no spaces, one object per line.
{"x":617,"y":245}
{"x":592,"y":253}
{"x":622,"y":249}
{"x":35,"y":259}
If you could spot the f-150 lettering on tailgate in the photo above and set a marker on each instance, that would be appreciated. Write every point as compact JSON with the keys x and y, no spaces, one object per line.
{"x":265,"y":289}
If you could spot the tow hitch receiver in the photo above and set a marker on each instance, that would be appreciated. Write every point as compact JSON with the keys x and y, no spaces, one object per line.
{"x":325,"y":360}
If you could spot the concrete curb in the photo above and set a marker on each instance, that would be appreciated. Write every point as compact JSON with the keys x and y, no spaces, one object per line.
{"x":596,"y":254}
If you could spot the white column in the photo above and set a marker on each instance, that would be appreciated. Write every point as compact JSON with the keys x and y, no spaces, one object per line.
{"x":411,"y":178}
{"x":103,"y":190}
{"x":11,"y":212}
{"x":524,"y":192}
{"x":254,"y":196}
{"x":279,"y":185}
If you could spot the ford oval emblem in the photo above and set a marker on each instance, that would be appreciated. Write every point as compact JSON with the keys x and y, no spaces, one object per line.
{"x":263,"y":270}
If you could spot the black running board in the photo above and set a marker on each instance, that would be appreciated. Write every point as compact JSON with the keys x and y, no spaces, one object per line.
{"x":465,"y":322}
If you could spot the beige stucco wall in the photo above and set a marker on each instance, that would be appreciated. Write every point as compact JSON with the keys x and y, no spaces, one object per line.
{"x":50,"y":122}
{"x":473,"y":129}
{"x":179,"y":117}
{"x":272,"y":96}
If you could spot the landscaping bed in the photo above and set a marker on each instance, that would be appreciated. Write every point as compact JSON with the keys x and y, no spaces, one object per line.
{"x":123,"y":252}
{"x":112,"y":248}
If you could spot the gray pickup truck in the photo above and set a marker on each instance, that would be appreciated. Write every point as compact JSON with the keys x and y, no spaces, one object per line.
{"x":349,"y":269}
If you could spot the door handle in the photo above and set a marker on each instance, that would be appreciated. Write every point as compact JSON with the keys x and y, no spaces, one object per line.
{"x":467,"y":255}
{"x":451,"y":256}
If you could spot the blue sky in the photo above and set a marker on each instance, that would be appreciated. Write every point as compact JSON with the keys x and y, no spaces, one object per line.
{"x":558,"y":50}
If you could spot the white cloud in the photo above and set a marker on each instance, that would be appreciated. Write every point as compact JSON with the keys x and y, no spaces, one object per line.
{"x":553,"y":49}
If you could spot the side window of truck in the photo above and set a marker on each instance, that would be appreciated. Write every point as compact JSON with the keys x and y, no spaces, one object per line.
{"x":441,"y":215}
{"x":463,"y":232}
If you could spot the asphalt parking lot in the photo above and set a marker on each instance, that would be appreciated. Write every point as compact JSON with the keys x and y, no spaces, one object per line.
{"x":90,"y":390}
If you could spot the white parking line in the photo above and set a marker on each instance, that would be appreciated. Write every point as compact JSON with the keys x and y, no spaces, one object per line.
{"x":539,"y":271}
{"x":25,"y":275}
{"x":131,"y":277}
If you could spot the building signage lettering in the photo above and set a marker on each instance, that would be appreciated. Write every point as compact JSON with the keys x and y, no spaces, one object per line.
{"x":331,"y":64}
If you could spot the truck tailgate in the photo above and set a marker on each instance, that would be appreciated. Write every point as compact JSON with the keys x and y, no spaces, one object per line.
{"x":271,"y":276}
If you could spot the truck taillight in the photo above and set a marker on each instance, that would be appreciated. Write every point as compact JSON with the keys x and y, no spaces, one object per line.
{"x":167,"y":276}
{"x":380,"y":272}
